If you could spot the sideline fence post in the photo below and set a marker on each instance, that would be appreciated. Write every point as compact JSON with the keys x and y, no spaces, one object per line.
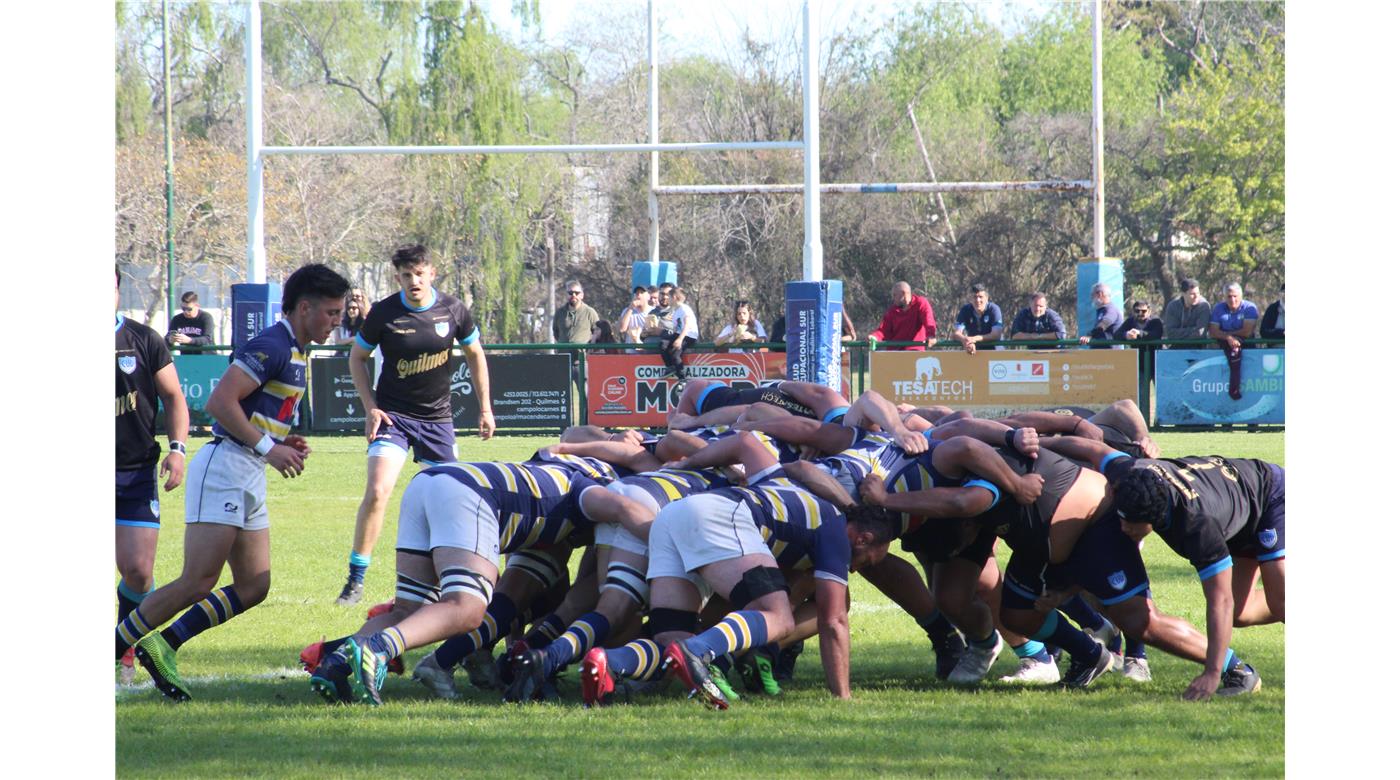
{"x":581,"y":355}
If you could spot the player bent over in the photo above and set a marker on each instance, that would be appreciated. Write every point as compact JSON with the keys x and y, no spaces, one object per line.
{"x":226,"y":504}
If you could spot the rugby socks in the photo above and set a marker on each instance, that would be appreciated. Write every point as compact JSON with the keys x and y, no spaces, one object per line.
{"x":128,"y":599}
{"x":580,"y":637}
{"x":986,"y":643}
{"x":130,"y":630}
{"x":940,"y":629}
{"x":1058,"y":629}
{"x":737,"y":632}
{"x":500,"y":613}
{"x":218,"y":607}
{"x":359,"y":564}
{"x":388,"y":643}
{"x":1133,"y":648}
{"x":1231,"y":660}
{"x":1033,"y":649}
{"x":544,"y":632}
{"x":639,"y":659}
{"x":1078,"y":610}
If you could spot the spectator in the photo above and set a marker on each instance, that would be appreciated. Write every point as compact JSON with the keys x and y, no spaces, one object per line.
{"x":687,"y":332}
{"x":1142,"y":326}
{"x":778,"y":332}
{"x":661,"y":329}
{"x":742,"y":327}
{"x":634,"y":317}
{"x":1037,"y":321}
{"x":978,"y":320}
{"x":1186,"y":317}
{"x":1271,"y":327}
{"x":1108,"y":318}
{"x":653,"y":297}
{"x":573,"y":322}
{"x":191,"y":327}
{"x":848,"y":328}
{"x":603,"y":334}
{"x":1231,"y":321}
{"x":909,"y":319}
{"x":352,"y":321}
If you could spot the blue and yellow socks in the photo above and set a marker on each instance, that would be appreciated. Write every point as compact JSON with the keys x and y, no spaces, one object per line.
{"x":737,"y":632}
{"x":215,"y":609}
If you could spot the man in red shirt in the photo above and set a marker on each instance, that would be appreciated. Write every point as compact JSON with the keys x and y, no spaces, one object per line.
{"x":909,"y":319}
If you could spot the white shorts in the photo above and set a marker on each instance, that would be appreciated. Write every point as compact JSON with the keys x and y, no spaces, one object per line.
{"x":438,"y":511}
{"x":226,"y":483}
{"x":616,"y":534}
{"x":697,"y":531}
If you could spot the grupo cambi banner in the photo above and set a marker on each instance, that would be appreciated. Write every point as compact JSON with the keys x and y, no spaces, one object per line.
{"x":993,"y":382}
{"x":1193,"y":388}
{"x":636,"y":390}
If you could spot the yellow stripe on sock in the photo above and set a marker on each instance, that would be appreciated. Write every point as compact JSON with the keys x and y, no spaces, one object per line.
{"x":209,"y":612}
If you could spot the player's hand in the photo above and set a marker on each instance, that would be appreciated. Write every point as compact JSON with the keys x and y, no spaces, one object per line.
{"x":552,"y":449}
{"x":373,"y":420}
{"x":287,"y":460}
{"x":173,"y":469}
{"x":681,"y":421}
{"x":1027,"y":442}
{"x":630,"y":436}
{"x":674,"y":464}
{"x":912,"y":443}
{"x":486,"y":422}
{"x":1028,"y":488}
{"x":872,"y":489}
{"x":808,"y":452}
{"x":298,"y":443}
{"x":1202,"y":688}
{"x":1083,"y":339}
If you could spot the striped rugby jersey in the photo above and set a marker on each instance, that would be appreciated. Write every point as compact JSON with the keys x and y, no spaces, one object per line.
{"x":802,"y":530}
{"x":277,"y":363}
{"x":917,"y":472}
{"x":667,"y":485}
{"x":869,"y":453}
{"x":536,"y":503}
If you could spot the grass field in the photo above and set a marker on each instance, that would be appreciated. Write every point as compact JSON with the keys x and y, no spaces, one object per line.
{"x":254,"y":715}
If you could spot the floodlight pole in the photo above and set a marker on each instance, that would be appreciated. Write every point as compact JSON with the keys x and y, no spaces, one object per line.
{"x":653,"y":133}
{"x":257,"y":255}
{"x":1096,"y":131}
{"x":811,"y":148}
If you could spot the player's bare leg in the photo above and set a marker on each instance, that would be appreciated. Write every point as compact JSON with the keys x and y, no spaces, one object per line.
{"x":1253,"y":606}
{"x":382,"y":473}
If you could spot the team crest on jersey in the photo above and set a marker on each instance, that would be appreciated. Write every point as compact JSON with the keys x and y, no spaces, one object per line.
{"x":127,"y":363}
{"x":155,"y":508}
{"x":1118,"y":579}
{"x":1268,"y":537}
{"x":441,"y":328}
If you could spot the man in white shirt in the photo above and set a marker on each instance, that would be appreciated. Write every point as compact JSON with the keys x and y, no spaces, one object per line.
{"x":687,"y":333}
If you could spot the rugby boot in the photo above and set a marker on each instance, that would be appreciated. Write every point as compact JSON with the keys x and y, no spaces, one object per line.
{"x":529,"y":677}
{"x":128,"y":666}
{"x":596,"y":679}
{"x":435,"y":678}
{"x":1111,"y":639}
{"x":1033,"y":671}
{"x":370,"y":673}
{"x":1136,"y":669}
{"x":332,"y":678}
{"x":157,"y":657}
{"x":1240,"y":680}
{"x":947,"y":652}
{"x":481,"y":670}
{"x":351,"y":594}
{"x":787,"y":663}
{"x":976,"y":662}
{"x":756,"y":670}
{"x":693,"y":672}
{"x":722,"y":682}
{"x":1081,"y":674}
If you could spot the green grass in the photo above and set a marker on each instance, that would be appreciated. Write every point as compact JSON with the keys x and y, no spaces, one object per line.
{"x":254,"y":714}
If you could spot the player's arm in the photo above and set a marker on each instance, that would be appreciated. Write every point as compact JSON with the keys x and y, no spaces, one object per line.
{"x":177,"y":423}
{"x":742,"y":447}
{"x":1079,"y":448}
{"x":819,"y":398}
{"x":618,"y":453}
{"x":223,"y":405}
{"x":1024,"y":440}
{"x":605,"y":506}
{"x":939,"y":502}
{"x":827,"y":438}
{"x":872,"y":407}
{"x":360,"y":358}
{"x":1049,"y":424}
{"x":820,"y":483}
{"x":724,"y":415}
{"x":1220,"y":618}
{"x":834,"y":633}
{"x":481,"y":383}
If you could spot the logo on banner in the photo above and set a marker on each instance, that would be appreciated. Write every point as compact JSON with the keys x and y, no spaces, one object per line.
{"x":461,"y":381}
{"x":927,"y":384}
{"x":927,"y":368}
{"x":441,"y":328}
{"x":127,"y":363}
{"x":1018,"y":371}
{"x":614,"y":389}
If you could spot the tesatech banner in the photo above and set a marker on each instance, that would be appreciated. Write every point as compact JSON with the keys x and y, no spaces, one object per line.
{"x":994,"y":382}
{"x":1193,"y":387}
{"x":636,"y":391}
{"x":527,"y":391}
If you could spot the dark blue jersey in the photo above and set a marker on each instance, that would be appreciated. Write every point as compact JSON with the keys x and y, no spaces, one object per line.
{"x":417,"y":346}
{"x":593,"y":468}
{"x":141,"y":352}
{"x":667,"y":485}
{"x":869,"y":453}
{"x":802,"y":530}
{"x":911,"y":473}
{"x":277,"y":363}
{"x":536,"y":504}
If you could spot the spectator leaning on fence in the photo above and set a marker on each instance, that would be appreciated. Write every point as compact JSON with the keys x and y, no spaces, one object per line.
{"x":1187,"y":316}
{"x":191,"y":327}
{"x":979,"y":320}
{"x":1108,"y":318}
{"x":742,"y":327}
{"x":353,"y":320}
{"x":1271,"y":327}
{"x":910,"y":318}
{"x":634,"y":317}
{"x":1037,"y":321}
{"x":573,"y":322}
{"x":1141,"y":326}
{"x":1231,"y":321}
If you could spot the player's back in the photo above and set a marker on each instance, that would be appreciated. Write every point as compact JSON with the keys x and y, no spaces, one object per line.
{"x":667,"y":485}
{"x":536,"y":504}
{"x":1228,"y":491}
{"x":802,"y":530}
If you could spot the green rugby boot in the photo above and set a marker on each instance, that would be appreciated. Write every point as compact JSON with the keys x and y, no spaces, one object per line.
{"x":157,"y":657}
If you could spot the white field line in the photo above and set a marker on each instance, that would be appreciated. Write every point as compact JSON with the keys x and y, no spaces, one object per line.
{"x":145,"y":683}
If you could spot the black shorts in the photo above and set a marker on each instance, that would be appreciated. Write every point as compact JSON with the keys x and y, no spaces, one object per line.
{"x":719,"y":396}
{"x":1266,"y":543}
{"x":939,"y":541}
{"x":138,"y":504}
{"x":1104,"y":562}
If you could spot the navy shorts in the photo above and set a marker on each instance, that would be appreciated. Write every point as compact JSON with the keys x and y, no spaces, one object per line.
{"x":431,"y":442}
{"x":1104,"y":562}
{"x":939,"y":541}
{"x":1266,"y":544}
{"x":137,"y":503}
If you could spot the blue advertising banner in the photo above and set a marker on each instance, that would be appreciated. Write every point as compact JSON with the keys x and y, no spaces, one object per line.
{"x":199,"y":375}
{"x":814,"y":332}
{"x":1193,"y":385}
{"x":255,"y":306}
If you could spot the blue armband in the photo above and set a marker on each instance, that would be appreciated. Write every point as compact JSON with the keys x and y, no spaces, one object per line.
{"x":1216,"y":568}
{"x":1112,"y":456}
{"x":982,"y":483}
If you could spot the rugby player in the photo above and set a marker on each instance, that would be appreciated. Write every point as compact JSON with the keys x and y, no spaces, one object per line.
{"x":145,"y":372}
{"x":455,"y":521}
{"x":706,"y":402}
{"x":253,"y":406}
{"x":411,"y":407}
{"x":1225,"y":516}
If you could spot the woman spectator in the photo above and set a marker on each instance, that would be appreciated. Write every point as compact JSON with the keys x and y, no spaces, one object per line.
{"x":355,"y":310}
{"x":743,"y":327}
{"x":603,"y":334}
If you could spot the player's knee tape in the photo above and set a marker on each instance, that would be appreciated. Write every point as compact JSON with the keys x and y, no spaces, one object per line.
{"x":755,"y":584}
{"x":661,"y":621}
{"x":461,"y":580}
{"x":629,"y":580}
{"x":543,"y":568}
{"x":409,"y":589}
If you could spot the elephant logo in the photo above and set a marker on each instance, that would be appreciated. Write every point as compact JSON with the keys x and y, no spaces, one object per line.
{"x":927,"y":368}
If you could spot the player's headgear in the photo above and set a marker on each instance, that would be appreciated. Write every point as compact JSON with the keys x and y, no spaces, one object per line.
{"x":1141,"y":496}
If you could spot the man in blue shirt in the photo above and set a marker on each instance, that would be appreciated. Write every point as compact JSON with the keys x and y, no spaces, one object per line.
{"x":1231,"y":321}
{"x":978,"y":320}
{"x":1108,"y":318}
{"x":1037,"y":321}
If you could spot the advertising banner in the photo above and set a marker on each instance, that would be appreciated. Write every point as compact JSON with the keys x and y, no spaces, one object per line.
{"x":335,"y":406}
{"x":1193,"y":387}
{"x":994,"y":382}
{"x":814,"y":332}
{"x":255,"y":306}
{"x":199,"y":375}
{"x":635,"y":391}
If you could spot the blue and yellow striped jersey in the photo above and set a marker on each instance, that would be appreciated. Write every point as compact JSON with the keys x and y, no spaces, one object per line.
{"x":593,"y":468}
{"x":278,"y":364}
{"x":913,"y":473}
{"x":802,"y":530}
{"x":869,"y":453}
{"x":779,"y":449}
{"x":667,"y":485}
{"x":536,"y":503}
